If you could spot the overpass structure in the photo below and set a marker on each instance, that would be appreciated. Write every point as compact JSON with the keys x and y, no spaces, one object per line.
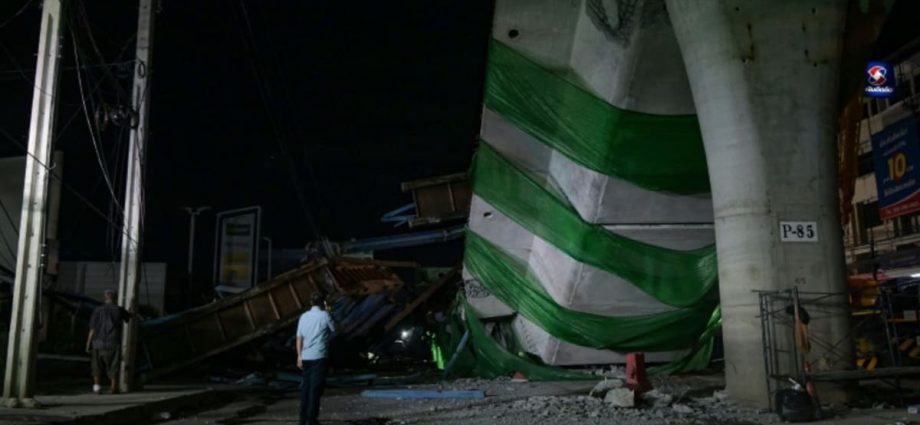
{"x":638,"y":161}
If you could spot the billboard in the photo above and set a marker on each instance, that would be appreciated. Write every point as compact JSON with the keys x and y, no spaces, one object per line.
{"x":236,"y":253}
{"x":896,"y":151}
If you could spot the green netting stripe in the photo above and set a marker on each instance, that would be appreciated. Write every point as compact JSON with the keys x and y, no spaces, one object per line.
{"x":676,"y":278}
{"x":701,"y":355}
{"x":656,"y":152}
{"x":508,"y":279}
{"x":486,"y":358}
{"x":494,"y":360}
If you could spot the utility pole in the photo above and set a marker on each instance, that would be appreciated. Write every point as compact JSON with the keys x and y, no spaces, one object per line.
{"x":21,"y":348}
{"x":193,"y":214}
{"x":129,"y":275}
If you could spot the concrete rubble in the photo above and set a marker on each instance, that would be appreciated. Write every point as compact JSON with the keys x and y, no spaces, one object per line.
{"x":609,"y":401}
{"x":621,"y":397}
{"x":689,"y":400}
{"x":601,"y":389}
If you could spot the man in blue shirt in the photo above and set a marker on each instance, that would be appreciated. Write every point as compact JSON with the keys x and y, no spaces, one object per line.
{"x":313,"y":332}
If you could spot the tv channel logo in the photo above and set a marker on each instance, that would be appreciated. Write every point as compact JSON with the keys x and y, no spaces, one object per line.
{"x":879,"y":79}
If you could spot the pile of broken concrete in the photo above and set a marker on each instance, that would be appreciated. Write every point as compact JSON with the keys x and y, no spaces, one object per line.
{"x":675,"y":404}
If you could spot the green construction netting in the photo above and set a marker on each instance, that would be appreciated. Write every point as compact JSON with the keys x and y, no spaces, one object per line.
{"x":510,"y":281}
{"x":486,"y":358}
{"x":699,"y":357}
{"x":676,"y":278}
{"x":437,"y":355}
{"x":656,"y":152}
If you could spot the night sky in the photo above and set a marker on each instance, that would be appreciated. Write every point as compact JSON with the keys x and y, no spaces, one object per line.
{"x":315,"y":110}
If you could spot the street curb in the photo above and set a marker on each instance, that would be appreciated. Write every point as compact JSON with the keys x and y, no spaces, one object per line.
{"x":145,"y":412}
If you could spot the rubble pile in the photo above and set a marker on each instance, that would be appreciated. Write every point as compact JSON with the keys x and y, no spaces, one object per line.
{"x":610,"y":400}
{"x":670,"y":401}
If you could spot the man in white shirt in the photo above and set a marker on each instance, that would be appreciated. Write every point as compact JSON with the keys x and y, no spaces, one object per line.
{"x":313,"y":332}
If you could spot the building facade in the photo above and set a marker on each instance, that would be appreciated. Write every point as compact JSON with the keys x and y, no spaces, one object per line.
{"x":873,"y":239}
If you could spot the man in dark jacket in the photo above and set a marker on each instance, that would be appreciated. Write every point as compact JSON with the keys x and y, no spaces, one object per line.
{"x":104,"y":341}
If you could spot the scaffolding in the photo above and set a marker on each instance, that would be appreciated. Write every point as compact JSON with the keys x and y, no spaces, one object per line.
{"x":786,"y":359}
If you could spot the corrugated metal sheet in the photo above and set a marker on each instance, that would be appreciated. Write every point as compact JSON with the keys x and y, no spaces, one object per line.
{"x":363,"y":293}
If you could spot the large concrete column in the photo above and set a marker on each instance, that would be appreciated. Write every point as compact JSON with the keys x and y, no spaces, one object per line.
{"x":764,"y":80}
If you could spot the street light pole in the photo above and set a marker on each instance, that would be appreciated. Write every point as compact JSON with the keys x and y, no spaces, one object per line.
{"x":193,"y":214}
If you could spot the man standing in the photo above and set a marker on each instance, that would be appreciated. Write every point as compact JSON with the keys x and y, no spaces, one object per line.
{"x":313,"y":332}
{"x":104,"y":341}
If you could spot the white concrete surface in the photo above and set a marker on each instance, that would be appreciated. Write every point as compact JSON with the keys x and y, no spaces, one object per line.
{"x":504,"y":233}
{"x":522,"y":149}
{"x":602,"y":199}
{"x":633,"y":62}
{"x":555,"y":352}
{"x":583,"y":287}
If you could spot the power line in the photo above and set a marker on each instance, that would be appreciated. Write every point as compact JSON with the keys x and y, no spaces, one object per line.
{"x":276,"y":127}
{"x":19,"y":69}
{"x":64,"y":184}
{"x":299,"y":128}
{"x":16,"y":15}
{"x":87,"y":29}
{"x":89,"y":125}
{"x":71,"y":68}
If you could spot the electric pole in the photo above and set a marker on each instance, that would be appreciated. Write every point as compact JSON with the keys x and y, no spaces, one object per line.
{"x":21,"y":348}
{"x":131,"y":246}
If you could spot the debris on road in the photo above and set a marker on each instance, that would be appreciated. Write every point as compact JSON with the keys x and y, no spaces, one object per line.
{"x":621,"y":397}
{"x":401,"y":394}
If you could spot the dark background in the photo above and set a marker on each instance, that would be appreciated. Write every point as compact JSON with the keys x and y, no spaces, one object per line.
{"x":315,"y":110}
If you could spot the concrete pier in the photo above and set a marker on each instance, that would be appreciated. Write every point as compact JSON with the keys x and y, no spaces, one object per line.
{"x":764,"y":80}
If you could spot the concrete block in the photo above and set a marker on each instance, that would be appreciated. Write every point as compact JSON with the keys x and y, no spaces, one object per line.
{"x":486,"y":305}
{"x":542,"y":29}
{"x":555,"y":352}
{"x":631,"y":61}
{"x":599,"y":198}
{"x":505,"y":233}
{"x":621,"y":397}
{"x":586,"y":288}
{"x":605,"y":386}
{"x":499,"y":229}
{"x":515,"y":144}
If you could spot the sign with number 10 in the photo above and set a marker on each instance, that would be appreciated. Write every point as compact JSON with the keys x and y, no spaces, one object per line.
{"x":896,"y":151}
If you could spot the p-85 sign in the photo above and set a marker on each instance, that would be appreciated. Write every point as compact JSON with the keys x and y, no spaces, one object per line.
{"x":798,"y":231}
